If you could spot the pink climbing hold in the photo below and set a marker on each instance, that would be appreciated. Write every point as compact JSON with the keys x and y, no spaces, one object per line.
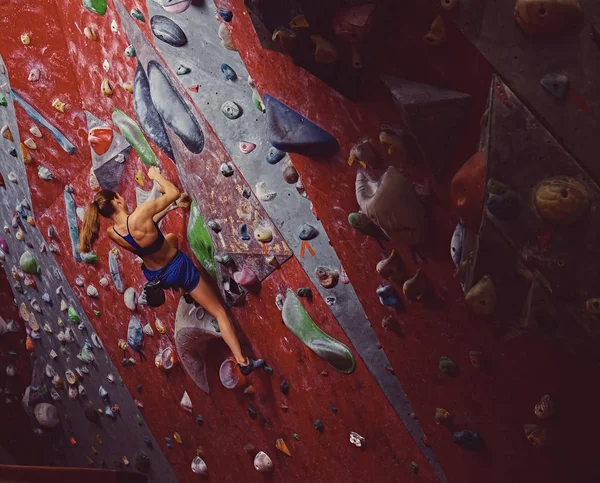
{"x":230,"y":374}
{"x":3,"y":244}
{"x":246,"y":277}
{"x":246,"y":147}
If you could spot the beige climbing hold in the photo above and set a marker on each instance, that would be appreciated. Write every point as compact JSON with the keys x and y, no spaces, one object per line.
{"x":391,"y":267}
{"x":547,"y":16}
{"x":417,"y":288}
{"x":281,"y":446}
{"x":262,"y":462}
{"x":19,"y":235}
{"x":437,"y":33}
{"x":58,"y":105}
{"x":128,"y":86}
{"x":481,"y":299}
{"x":325,"y":51}
{"x":186,"y":402}
{"x":90,"y":33}
{"x":25,"y":39}
{"x":225,"y":37}
{"x":263,"y":234}
{"x":107,"y":89}
{"x":562,"y":201}
{"x":545,"y":408}
{"x":114,"y":26}
{"x":35,"y":131}
{"x":5,"y":133}
{"x":30,"y":143}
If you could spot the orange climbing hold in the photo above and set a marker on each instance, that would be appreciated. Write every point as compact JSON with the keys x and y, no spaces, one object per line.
{"x":100,"y":139}
{"x":281,"y":446}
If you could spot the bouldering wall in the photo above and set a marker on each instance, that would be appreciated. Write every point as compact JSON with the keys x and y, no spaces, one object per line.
{"x":318,"y":142}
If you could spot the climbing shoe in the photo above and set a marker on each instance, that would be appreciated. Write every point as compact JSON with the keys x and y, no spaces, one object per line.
{"x":251,"y":366}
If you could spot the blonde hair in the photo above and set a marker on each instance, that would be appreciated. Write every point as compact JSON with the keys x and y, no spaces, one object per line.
{"x":101,"y":205}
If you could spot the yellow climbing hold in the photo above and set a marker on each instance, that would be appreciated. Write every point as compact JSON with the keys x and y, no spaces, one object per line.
{"x":25,"y":39}
{"x":159,"y":326}
{"x":94,"y":450}
{"x":107,"y":89}
{"x":58,"y":105}
{"x":281,"y":446}
{"x":139,"y":177}
{"x":177,"y":437}
{"x":30,"y":143}
{"x":325,"y":51}
{"x":299,"y":22}
{"x":60,"y":322}
{"x":128,"y":86}
{"x":437,"y":33}
{"x":122,"y":344}
{"x":99,"y":439}
{"x":25,"y":154}
{"x":125,"y":461}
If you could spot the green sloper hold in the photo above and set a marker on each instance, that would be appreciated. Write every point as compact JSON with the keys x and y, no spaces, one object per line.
{"x":134,"y":136}
{"x":336,"y":354}
{"x":89,"y":257}
{"x":74,"y":316}
{"x":200,"y":241}
{"x":29,"y":264}
{"x":95,"y":6}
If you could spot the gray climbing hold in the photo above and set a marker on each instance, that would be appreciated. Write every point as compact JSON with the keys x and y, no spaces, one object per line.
{"x":135,"y":334}
{"x":226,"y":169}
{"x":131,"y":299}
{"x":289,"y":131}
{"x":182,"y":70}
{"x":231,"y":110}
{"x":46,"y":415}
{"x":307,"y":232}
{"x":173,"y":109}
{"x":556,"y":84}
{"x":228,"y":72}
{"x":168,"y":31}
{"x":214,"y":225}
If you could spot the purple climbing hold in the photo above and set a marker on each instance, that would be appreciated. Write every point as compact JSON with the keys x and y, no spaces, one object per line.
{"x":4,"y":244}
{"x":468,"y":439}
{"x":318,"y":425}
{"x":289,"y":131}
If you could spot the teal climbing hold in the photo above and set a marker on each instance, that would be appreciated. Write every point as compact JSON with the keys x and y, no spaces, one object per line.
{"x":289,"y":131}
{"x":137,"y":14}
{"x":200,"y":241}
{"x":95,"y":6}
{"x":3,"y":101}
{"x":29,"y":264}
{"x":115,"y":273}
{"x":72,"y":222}
{"x":302,"y":326}
{"x":134,"y":136}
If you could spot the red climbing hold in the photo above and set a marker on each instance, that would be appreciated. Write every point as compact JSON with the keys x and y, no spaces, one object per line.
{"x":100,"y":139}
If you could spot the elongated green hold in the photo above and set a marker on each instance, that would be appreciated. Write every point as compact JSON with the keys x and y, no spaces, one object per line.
{"x":73,"y":315}
{"x":134,"y":136}
{"x":89,"y":257}
{"x":95,"y":6}
{"x":200,"y":241}
{"x":295,"y":318}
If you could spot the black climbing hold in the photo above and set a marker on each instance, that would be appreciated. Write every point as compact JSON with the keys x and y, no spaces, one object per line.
{"x":268,"y":369}
{"x":468,"y":439}
{"x":199,"y":419}
{"x":214,"y":225}
{"x":168,"y":31}
{"x":13,"y":152}
{"x":182,"y":70}
{"x":333,"y":409}
{"x":246,"y":193}
{"x":226,"y":169}
{"x":307,"y":232}
{"x":289,"y":131}
{"x":226,"y":15}
{"x":244,"y":232}
{"x":556,"y":84}
{"x":318,"y":424}
{"x":304,"y":292}
{"x":91,"y":414}
{"x":139,"y":388}
{"x":284,"y":387}
{"x":505,"y":207}
{"x":274,"y":155}
{"x":169,"y":442}
{"x":252,"y":413}
{"x":148,"y":441}
{"x":141,"y":461}
{"x":147,"y":115}
{"x":228,"y":72}
{"x":173,"y":109}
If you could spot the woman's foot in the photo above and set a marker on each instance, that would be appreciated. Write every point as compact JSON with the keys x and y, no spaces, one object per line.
{"x":250,"y":366}
{"x":184,"y":201}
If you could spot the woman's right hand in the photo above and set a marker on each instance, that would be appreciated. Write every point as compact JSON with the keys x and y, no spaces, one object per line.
{"x":154,"y":173}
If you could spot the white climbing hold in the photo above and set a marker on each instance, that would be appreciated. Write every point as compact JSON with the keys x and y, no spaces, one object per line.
{"x":262,"y":462}
{"x":96,"y":340}
{"x":80,"y":212}
{"x":106,"y":65}
{"x":114,"y":26}
{"x":30,"y":143}
{"x":199,"y":466}
{"x":3,"y":326}
{"x":356,"y":439}
{"x":34,"y":75}
{"x":279,"y":301}
{"x":46,"y":415}
{"x":81,"y":390}
{"x":263,"y":194}
{"x":147,"y":329}
{"x":186,"y":402}
{"x":58,"y":290}
{"x":63,"y":306}
{"x":49,"y":371}
{"x":12,"y":177}
{"x":104,"y":282}
{"x":79,"y":281}
{"x":35,"y":131}
{"x":92,"y":291}
{"x":130,"y":297}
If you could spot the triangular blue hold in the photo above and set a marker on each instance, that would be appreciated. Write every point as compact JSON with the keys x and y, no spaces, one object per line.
{"x":289,"y":131}
{"x":433,"y":116}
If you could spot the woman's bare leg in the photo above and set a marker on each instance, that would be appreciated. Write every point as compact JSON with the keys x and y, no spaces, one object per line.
{"x":205,"y":296}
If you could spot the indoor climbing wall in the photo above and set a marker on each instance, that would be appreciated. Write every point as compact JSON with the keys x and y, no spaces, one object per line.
{"x":319,"y":142}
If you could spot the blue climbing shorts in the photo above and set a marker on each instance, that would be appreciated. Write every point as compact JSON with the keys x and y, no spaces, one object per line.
{"x":179,"y":273}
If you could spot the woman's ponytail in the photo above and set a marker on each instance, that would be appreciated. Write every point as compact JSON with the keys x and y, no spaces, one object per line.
{"x":91,"y":228}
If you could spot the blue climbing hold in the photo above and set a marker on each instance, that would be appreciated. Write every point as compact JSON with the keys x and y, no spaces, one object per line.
{"x":113,"y":266}
{"x":72,"y":222}
{"x":468,"y":439}
{"x":135,"y":334}
{"x":228,"y":72}
{"x":226,"y":15}
{"x":289,"y":131}
{"x":505,"y":207}
{"x":244,"y":232}
{"x":148,"y":441}
{"x":274,"y":155}
{"x":388,"y":296}
{"x":199,"y":419}
{"x":169,"y":442}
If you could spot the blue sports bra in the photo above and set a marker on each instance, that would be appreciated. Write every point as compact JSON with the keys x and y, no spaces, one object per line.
{"x":143,"y":251}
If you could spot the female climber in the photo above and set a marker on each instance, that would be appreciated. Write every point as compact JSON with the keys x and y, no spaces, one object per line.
{"x":139,"y":233}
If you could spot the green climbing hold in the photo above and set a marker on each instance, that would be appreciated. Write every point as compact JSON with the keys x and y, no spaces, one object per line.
{"x":257,"y":102}
{"x":137,"y":14}
{"x":89,"y":257}
{"x":95,"y":6}
{"x":134,"y":136}
{"x":200,"y":241}
{"x":297,"y":436}
{"x":447,"y":365}
{"x":96,"y":312}
{"x":139,"y":420}
{"x":3,"y":101}
{"x":414,"y":467}
{"x":29,"y":264}
{"x":302,"y":326}
{"x":74,"y":316}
